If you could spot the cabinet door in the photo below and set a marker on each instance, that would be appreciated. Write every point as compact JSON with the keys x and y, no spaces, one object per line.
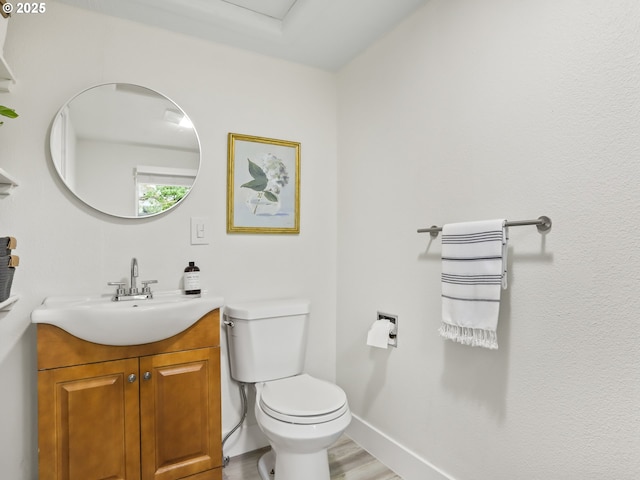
{"x":180,"y":413}
{"x":89,"y":422}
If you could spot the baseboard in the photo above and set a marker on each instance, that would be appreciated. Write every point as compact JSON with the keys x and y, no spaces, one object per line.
{"x":401,"y":460}
{"x":246,"y":439}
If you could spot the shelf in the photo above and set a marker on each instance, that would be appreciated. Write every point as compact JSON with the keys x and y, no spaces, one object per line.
{"x":7,"y":183}
{"x":6,"y":305}
{"x":7,"y":78}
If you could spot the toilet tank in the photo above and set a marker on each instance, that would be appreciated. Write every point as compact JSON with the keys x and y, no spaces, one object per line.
{"x":267,"y":340}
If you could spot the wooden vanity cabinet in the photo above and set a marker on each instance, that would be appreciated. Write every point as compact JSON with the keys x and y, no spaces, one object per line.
{"x":141,"y":412}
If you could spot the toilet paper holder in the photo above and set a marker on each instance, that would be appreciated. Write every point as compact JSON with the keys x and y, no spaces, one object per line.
{"x":393,"y":332}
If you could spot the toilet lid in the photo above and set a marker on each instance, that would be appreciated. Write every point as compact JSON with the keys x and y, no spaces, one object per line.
{"x":303,"y":399}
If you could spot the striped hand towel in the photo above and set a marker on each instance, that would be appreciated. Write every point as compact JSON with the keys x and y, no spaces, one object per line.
{"x":474,"y":262}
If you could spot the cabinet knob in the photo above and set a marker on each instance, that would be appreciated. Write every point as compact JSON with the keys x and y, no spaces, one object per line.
{"x":132,"y":378}
{"x":147,"y":375}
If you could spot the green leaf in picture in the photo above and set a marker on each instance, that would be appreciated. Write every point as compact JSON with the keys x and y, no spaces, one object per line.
{"x":255,"y":171}
{"x":271,"y":197}
{"x":257,"y":184}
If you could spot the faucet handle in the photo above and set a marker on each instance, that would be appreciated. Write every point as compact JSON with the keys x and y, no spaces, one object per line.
{"x":120,"y":289}
{"x":145,"y":285}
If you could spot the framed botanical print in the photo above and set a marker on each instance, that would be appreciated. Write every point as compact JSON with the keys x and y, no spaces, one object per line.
{"x":263,"y":185}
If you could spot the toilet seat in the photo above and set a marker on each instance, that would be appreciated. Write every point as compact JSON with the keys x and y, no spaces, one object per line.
{"x":303,"y":400}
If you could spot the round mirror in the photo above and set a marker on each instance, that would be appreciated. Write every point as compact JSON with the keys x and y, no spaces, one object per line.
{"x":125,"y":150}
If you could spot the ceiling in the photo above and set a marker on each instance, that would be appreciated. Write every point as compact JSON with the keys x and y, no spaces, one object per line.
{"x":325,"y":34}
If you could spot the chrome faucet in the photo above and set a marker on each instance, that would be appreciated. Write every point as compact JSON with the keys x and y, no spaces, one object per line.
{"x":134,"y":275}
{"x":132,"y":293}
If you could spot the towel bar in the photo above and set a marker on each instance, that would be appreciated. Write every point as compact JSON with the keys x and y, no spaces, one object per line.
{"x":543,"y":223}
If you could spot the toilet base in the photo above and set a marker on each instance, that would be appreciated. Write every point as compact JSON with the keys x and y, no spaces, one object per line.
{"x":267,"y":465}
{"x":294,"y":466}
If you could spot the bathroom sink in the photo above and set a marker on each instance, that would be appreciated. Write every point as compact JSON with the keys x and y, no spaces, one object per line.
{"x":98,"y":319}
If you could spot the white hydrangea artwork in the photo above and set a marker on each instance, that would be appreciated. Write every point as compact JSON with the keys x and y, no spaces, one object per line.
{"x":263,"y":193}
{"x":269,"y":178}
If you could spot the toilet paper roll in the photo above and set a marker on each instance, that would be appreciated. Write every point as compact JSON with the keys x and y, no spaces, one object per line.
{"x":378,"y":335}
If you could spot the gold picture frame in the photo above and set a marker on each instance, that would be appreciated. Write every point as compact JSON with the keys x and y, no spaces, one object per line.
{"x":263,"y":185}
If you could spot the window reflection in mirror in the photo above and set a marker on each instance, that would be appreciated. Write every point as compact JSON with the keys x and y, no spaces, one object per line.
{"x":158,"y":189}
{"x":109,"y":140}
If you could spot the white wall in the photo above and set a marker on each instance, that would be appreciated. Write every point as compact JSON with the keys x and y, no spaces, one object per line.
{"x":66,"y":247}
{"x":473,"y":110}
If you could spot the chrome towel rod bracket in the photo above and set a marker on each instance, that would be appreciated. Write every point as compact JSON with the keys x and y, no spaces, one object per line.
{"x":543,"y":224}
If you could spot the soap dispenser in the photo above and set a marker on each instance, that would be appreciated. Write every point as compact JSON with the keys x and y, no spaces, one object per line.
{"x":192,"y":279}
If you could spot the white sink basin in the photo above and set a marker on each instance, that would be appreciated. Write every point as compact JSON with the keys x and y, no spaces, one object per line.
{"x":127,"y":322}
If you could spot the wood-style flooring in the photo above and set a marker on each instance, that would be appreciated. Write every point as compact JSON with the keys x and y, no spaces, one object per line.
{"x":347,"y":461}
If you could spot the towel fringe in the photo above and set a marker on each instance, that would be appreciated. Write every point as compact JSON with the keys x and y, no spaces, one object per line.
{"x":475,"y":337}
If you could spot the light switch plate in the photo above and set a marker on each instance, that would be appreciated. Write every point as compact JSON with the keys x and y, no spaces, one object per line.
{"x":200,"y":230}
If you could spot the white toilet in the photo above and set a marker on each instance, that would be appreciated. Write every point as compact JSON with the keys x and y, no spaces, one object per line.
{"x":300,"y":415}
